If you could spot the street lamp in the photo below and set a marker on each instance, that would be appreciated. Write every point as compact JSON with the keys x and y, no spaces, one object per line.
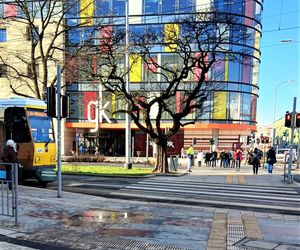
{"x":128,"y":163}
{"x":274,"y":108}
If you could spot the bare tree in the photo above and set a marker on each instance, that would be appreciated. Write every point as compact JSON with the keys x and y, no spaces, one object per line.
{"x":37,"y":42}
{"x":174,"y":90}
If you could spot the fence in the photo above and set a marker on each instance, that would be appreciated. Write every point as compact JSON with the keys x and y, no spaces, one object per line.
{"x":9,"y":190}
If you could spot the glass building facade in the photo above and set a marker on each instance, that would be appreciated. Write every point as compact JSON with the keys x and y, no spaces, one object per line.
{"x":233,"y":106}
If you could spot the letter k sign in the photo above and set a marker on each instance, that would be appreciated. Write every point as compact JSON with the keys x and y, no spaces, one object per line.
{"x":98,"y":114}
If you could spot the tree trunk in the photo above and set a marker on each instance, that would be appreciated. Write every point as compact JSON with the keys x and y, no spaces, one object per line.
{"x":161,"y":159}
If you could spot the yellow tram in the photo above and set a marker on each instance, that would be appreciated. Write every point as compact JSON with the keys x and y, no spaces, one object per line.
{"x":25,"y":121}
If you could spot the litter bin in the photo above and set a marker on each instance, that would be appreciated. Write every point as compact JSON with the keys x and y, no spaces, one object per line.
{"x":173,"y":162}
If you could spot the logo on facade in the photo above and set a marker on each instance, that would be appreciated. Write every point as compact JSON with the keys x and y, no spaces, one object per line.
{"x":99,"y":114}
{"x":170,"y":144}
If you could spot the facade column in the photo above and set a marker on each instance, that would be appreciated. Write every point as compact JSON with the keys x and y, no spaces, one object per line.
{"x":215,"y":136}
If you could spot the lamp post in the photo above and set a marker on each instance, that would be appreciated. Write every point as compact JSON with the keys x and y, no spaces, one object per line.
{"x":128,"y":163}
{"x":274,"y":108}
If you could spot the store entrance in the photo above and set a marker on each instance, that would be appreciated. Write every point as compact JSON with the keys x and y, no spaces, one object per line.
{"x":107,"y":143}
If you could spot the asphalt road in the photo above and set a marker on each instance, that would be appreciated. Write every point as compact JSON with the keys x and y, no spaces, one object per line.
{"x":189,"y":191}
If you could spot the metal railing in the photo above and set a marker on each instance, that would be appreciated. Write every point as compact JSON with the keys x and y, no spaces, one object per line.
{"x":9,"y":190}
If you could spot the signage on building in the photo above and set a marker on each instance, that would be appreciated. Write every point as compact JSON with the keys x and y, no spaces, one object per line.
{"x":99,"y":114}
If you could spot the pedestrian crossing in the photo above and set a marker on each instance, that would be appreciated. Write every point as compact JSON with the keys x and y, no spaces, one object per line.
{"x":236,"y":196}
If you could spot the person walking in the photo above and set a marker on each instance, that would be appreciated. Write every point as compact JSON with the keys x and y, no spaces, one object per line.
{"x":253,"y":159}
{"x":271,"y":159}
{"x":9,"y":156}
{"x":182,"y":153}
{"x":200,"y":157}
{"x":190,"y":156}
{"x":238,"y":158}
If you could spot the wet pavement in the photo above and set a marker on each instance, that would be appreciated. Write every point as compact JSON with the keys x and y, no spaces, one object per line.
{"x":79,"y":221}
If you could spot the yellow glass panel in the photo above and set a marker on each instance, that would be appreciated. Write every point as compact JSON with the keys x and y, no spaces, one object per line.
{"x":226,"y":68}
{"x":171,"y":35}
{"x":256,"y":44}
{"x":86,"y":12}
{"x":113,"y":105}
{"x":220,"y":101}
{"x":136,"y":68}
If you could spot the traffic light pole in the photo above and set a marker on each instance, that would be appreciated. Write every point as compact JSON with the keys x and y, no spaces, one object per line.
{"x":290,"y":178}
{"x":58,"y":131}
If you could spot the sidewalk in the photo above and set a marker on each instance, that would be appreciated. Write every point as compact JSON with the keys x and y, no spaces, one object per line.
{"x":79,"y":221}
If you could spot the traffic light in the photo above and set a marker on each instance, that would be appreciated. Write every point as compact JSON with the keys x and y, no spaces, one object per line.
{"x":51,"y":101}
{"x":267,"y":139}
{"x":211,"y":141}
{"x":248,"y":139}
{"x":298,"y":120}
{"x":257,"y":140}
{"x":288,"y":120}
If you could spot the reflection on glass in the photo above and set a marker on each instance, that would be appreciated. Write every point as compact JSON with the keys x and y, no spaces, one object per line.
{"x":41,"y":128}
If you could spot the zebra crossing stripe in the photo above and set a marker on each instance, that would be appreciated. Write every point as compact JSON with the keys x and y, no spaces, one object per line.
{"x":229,"y":179}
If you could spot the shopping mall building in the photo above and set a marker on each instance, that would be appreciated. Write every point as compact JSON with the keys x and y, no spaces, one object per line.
{"x":232,"y":112}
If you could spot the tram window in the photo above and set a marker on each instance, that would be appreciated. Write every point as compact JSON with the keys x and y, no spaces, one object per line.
{"x":41,"y":129}
{"x":16,"y":125}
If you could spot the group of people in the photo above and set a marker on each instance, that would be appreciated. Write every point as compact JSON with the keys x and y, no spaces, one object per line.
{"x":229,"y":159}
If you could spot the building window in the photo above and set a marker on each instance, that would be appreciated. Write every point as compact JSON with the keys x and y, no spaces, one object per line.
{"x":3,"y":70}
{"x":30,"y":72}
{"x":32,"y":34}
{"x":2,"y":35}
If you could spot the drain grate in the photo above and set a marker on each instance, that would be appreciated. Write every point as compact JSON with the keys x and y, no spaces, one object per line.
{"x":235,"y":233}
{"x":80,"y":240}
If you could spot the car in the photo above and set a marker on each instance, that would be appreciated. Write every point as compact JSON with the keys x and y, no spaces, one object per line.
{"x":282,"y":155}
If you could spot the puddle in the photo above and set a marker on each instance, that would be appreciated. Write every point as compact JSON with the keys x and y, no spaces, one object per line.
{"x":95,"y":216}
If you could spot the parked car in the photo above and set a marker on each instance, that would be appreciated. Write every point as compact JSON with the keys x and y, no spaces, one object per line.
{"x":283,"y":155}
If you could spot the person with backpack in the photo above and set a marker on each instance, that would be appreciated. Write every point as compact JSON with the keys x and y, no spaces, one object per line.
{"x":253,"y":159}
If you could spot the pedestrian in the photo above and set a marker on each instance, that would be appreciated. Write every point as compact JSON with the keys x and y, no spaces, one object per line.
{"x":200,"y":157}
{"x":182,"y":153}
{"x":253,"y":159}
{"x":207,"y":159}
{"x":238,"y":156}
{"x":271,"y":159}
{"x":214,"y":156}
{"x":222,"y":158}
{"x":190,"y":156}
{"x":81,"y":149}
{"x":225,"y":159}
{"x":9,"y":156}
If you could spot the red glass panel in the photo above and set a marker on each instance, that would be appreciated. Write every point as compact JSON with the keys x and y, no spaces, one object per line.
{"x":87,"y":97}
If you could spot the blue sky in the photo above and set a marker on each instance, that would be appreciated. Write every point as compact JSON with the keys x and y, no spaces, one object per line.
{"x":279,"y":61}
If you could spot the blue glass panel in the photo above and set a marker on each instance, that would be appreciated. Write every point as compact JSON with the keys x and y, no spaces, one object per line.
{"x":246,"y":107}
{"x":73,"y":37}
{"x":168,"y":6}
{"x":119,"y":7}
{"x":234,"y":71}
{"x":137,"y":29}
{"x":72,"y":9}
{"x":103,"y":7}
{"x":2,"y":35}
{"x":1,"y":10}
{"x":152,"y":6}
{"x":186,"y":6}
